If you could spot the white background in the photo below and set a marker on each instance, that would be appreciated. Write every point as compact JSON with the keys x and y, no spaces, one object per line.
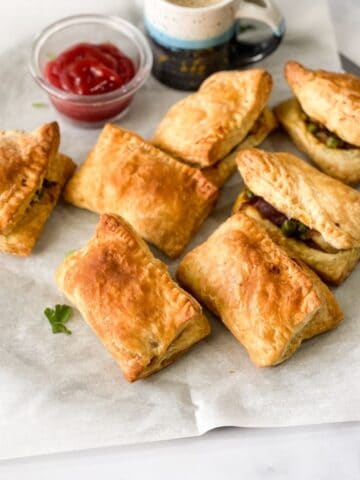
{"x":321,"y":452}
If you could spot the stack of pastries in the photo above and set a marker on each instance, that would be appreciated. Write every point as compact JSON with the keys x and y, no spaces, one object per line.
{"x":32,"y":175}
{"x":258,"y":271}
{"x":313,"y":216}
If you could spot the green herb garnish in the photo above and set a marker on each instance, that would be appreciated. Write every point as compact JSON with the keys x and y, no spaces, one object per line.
{"x":57,"y":317}
{"x":70,"y":252}
{"x":40,"y":105}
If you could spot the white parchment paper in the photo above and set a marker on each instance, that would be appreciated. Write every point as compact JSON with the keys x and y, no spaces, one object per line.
{"x":61,"y":392}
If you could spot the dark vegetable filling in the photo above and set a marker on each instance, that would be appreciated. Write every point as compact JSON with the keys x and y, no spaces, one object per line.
{"x":330,"y":139}
{"x":38,"y":195}
{"x":289,"y":226}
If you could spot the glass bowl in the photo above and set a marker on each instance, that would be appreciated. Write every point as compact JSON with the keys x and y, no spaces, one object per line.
{"x":91,"y":110}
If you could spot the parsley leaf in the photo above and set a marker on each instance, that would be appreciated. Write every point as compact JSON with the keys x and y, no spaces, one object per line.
{"x":39,"y":105}
{"x":57,"y":317}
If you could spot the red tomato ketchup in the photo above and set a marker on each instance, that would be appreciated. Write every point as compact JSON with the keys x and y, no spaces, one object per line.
{"x":87,"y":69}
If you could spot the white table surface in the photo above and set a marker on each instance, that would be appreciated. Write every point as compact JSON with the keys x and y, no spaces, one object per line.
{"x":315,"y":452}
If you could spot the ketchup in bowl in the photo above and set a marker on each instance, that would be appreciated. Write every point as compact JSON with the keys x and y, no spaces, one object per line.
{"x":87,"y":69}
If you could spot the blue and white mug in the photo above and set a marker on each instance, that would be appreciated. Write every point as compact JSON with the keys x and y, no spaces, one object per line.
{"x":191,"y":39}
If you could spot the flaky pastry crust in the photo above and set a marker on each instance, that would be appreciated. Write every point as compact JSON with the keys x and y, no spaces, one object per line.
{"x":332,"y":99}
{"x":221,"y":171}
{"x":22,"y":238}
{"x":333,"y":268}
{"x":269,"y":302}
{"x":164,"y":200}
{"x":127,"y":297}
{"x":205,"y":126}
{"x":300,"y":191}
{"x":336,"y":162}
{"x":24,"y":159}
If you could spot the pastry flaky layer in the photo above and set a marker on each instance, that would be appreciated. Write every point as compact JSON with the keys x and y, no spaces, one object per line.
{"x":333,"y":267}
{"x":301,"y":192}
{"x":332,"y":99}
{"x":32,"y":175}
{"x":127,"y":297}
{"x":24,"y":160}
{"x":269,"y":302}
{"x":22,"y":238}
{"x":222,"y":170}
{"x":343,"y":164}
{"x":204,"y":127}
{"x":164,"y":200}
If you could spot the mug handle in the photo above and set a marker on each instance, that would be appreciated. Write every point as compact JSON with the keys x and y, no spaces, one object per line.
{"x":264,"y":11}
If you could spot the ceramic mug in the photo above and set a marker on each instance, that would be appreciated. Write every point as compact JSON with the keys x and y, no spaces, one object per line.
{"x":191,"y":39}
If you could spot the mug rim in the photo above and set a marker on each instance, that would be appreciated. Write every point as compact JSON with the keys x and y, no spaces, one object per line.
{"x":220,"y":4}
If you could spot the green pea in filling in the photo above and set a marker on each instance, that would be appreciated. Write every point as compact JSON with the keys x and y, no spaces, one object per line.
{"x":330,"y":139}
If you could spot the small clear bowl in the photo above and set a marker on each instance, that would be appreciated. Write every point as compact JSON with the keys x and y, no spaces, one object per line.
{"x":91,"y":110}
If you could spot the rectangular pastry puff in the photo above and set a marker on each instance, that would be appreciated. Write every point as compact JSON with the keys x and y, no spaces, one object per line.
{"x":164,"y":200}
{"x":340,"y":163}
{"x":205,"y":126}
{"x":327,"y":211}
{"x":268,"y":301}
{"x":127,"y":297}
{"x":32,"y":175}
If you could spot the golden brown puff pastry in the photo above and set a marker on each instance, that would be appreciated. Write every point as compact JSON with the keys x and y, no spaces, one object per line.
{"x":204,"y":127}
{"x":24,"y":160}
{"x":332,"y":99}
{"x":343,"y":164}
{"x":301,"y":192}
{"x":221,"y":171}
{"x":127,"y":297}
{"x":22,"y":238}
{"x":164,"y":200}
{"x":269,"y":302}
{"x":333,"y":267}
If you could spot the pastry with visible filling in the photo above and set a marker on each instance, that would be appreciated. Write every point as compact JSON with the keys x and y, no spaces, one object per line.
{"x":32,"y":175}
{"x":205,"y":127}
{"x":313,"y":216}
{"x":128,"y":298}
{"x":269,"y":301}
{"x":163,"y":199}
{"x":323,"y":119}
